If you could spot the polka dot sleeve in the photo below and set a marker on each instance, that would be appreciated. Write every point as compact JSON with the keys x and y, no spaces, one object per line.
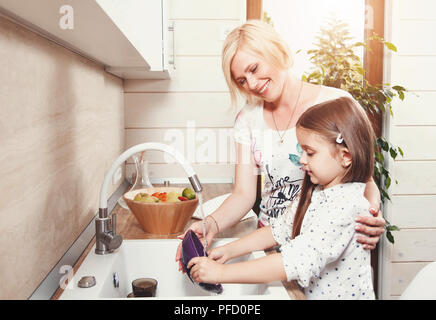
{"x":322,"y":243}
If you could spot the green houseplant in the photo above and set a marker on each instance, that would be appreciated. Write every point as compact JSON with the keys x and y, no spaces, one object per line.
{"x":336,"y":65}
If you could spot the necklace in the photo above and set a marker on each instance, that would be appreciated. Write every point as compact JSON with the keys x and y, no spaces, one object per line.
{"x":290,"y":119}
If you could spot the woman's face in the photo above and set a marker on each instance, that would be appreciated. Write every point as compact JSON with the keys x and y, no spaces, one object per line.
{"x":256,"y":76}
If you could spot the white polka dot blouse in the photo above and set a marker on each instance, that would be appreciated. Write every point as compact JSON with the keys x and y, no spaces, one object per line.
{"x":325,"y":258}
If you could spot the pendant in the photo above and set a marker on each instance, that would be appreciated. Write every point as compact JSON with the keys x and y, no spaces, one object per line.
{"x":281,"y":141}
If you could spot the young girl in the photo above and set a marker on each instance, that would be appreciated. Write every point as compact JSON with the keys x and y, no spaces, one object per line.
{"x":317,"y":235}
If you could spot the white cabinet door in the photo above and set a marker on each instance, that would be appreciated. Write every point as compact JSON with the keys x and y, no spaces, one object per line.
{"x":142,"y":23}
{"x":145,"y":24}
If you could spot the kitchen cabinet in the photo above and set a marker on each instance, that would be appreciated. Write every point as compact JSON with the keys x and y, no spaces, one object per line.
{"x":130,"y":37}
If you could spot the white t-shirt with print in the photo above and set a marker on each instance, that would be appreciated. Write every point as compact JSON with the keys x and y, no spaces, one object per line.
{"x":279,"y":162}
{"x":325,"y":257}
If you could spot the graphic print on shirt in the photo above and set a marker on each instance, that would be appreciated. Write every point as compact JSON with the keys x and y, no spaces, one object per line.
{"x":295,"y":159}
{"x":283,"y":190}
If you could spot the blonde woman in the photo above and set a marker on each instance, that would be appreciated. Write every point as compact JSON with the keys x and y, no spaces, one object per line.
{"x":257,"y":66}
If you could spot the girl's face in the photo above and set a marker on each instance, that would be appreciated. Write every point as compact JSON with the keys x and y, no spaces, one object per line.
{"x":324,"y":163}
{"x":256,"y":76}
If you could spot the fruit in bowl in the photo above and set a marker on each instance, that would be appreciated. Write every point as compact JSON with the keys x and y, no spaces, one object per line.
{"x":145,"y":197}
{"x":161,"y":210}
{"x":186,"y":194}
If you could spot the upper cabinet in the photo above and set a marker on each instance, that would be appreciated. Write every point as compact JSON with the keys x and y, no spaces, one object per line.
{"x":129,"y":37}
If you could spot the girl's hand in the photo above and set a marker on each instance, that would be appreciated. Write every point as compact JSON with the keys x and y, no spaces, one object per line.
{"x":371,"y":228}
{"x":219,"y":254}
{"x":197,"y":227}
{"x":206,"y":270}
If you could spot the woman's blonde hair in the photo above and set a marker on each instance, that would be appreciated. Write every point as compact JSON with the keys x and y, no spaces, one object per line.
{"x":329,"y":119}
{"x":260,"y":38}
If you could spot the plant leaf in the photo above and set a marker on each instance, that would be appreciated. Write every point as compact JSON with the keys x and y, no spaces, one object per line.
{"x":388,"y":182}
{"x":398,"y":88}
{"x":393,"y":228}
{"x":384,"y":194}
{"x":380,"y":157}
{"x":390,"y":237}
{"x":401,"y":151}
{"x":383,"y":144}
{"x":393,"y":153}
{"x":390,"y":46}
{"x":401,"y":95}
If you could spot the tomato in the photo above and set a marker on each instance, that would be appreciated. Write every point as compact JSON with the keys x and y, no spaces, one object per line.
{"x":163,"y":196}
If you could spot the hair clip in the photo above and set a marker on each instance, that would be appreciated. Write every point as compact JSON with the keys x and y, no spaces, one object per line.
{"x":339,"y":139}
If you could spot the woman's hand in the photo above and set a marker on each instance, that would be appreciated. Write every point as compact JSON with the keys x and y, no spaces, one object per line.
{"x":197,"y":227}
{"x":206,"y":270}
{"x":371,"y":228}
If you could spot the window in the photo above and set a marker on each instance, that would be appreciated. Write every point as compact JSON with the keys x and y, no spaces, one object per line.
{"x":298,"y":22}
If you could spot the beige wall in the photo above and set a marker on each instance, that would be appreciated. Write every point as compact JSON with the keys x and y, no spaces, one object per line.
{"x":61,"y":127}
{"x":410,"y":26}
{"x":191,"y":111}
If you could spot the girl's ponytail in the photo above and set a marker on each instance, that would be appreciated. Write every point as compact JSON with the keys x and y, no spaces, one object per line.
{"x":303,"y":204}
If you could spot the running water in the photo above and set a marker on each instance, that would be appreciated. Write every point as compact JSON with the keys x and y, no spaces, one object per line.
{"x":200,"y":203}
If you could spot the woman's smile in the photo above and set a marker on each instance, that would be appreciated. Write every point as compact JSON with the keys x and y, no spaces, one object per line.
{"x":264,"y":87}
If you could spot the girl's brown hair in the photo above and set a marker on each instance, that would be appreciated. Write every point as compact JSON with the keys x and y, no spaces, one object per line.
{"x":329,"y":119}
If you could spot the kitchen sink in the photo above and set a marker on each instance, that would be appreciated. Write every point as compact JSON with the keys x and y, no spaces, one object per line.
{"x":115,"y":272}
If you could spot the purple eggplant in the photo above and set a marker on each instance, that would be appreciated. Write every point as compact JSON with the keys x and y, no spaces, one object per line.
{"x":191,"y":248}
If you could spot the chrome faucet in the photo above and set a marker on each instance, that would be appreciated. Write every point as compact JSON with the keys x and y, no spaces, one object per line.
{"x":106,"y":237}
{"x":107,"y":240}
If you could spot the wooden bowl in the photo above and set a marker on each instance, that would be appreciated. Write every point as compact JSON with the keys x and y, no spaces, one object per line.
{"x":163,"y":218}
